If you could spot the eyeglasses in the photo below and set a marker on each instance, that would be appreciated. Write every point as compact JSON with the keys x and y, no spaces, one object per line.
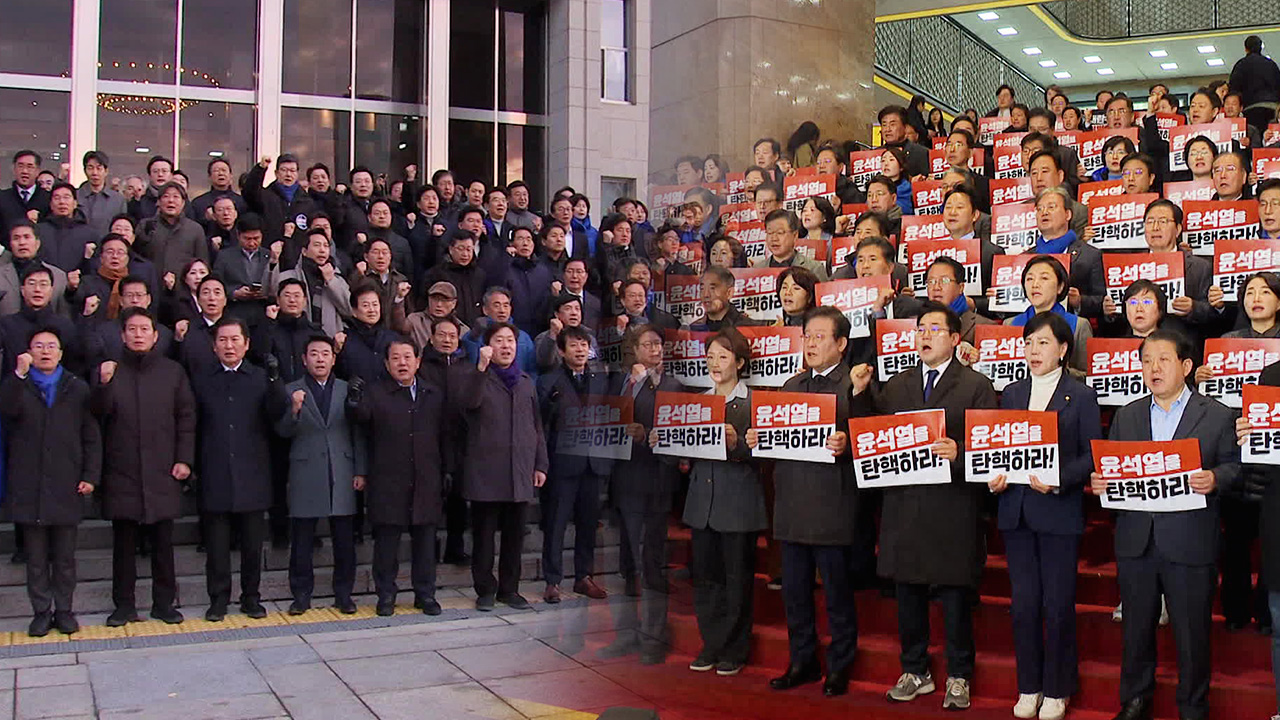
{"x":40,"y":347}
{"x":940,"y":282}
{"x":1268,"y":204}
{"x":933,"y":330}
{"x":1222,"y":169}
{"x":1135,"y":302}
{"x":815,"y":336}
{"x":1200,"y":154}
{"x":1134,"y":173}
{"x":651,"y":344}
{"x":1157,"y":222}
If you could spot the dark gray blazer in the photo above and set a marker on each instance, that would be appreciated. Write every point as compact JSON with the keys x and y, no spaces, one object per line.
{"x":726,"y":496}
{"x":325,"y":454}
{"x":1189,"y":537}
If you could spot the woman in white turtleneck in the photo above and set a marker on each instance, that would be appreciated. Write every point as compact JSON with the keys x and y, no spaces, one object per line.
{"x":1042,"y":524}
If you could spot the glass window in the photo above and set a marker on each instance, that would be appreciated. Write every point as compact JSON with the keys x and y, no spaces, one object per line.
{"x":139,"y":40}
{"x":37,"y":42}
{"x":390,"y":44}
{"x":471,"y":56}
{"x":387,"y":143}
{"x":471,"y":150}
{"x":612,"y":188}
{"x":226,"y":58}
{"x":215,"y":130}
{"x":314,"y":136}
{"x":614,"y":61}
{"x":131,"y":131}
{"x":317,"y":41}
{"x":521,"y":150}
{"x":522,"y":81}
{"x":35,"y":120}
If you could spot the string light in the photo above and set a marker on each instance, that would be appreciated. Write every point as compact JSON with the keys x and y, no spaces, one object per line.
{"x":144,"y":105}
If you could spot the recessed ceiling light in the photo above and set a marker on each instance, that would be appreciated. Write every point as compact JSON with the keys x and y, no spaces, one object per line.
{"x":1158,"y":53}
{"x":1031,"y":51}
{"x":1062,"y":74}
{"x":1048,"y":64}
{"x":1106,"y":71}
{"x":988,"y":16}
{"x":1215,"y":62}
{"x":1092,"y":59}
{"x":1168,"y":66}
{"x":1007,"y":31}
{"x":1206,"y":49}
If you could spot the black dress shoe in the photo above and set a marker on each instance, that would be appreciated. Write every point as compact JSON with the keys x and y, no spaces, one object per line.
{"x":386,"y":608}
{"x":253,"y":609}
{"x":66,"y":623}
{"x":40,"y":625}
{"x":298,"y":607}
{"x":346,"y":606}
{"x":430,"y":607}
{"x":121,"y":617}
{"x":1136,"y":709}
{"x":836,"y":684}
{"x":18,"y":558}
{"x":795,"y":677}
{"x":167,"y":615}
{"x":216,"y":613}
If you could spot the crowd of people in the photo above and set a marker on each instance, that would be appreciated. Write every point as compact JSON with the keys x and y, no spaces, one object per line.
{"x":410,"y":355}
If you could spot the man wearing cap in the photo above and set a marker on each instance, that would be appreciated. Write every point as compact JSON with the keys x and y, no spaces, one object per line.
{"x":442,"y":302}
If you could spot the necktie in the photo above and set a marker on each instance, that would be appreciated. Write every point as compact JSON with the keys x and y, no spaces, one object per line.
{"x":26,"y":195}
{"x":931,"y":377}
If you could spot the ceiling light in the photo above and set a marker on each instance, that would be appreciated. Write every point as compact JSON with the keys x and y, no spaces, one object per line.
{"x":1091,"y":59}
{"x":1158,"y":53}
{"x":1215,"y":62}
{"x":1062,"y":74}
{"x":142,"y":149}
{"x":1031,"y":51}
{"x":1106,"y":71}
{"x":988,"y":16}
{"x":1168,"y":66}
{"x":1206,"y":49}
{"x":1048,"y":64}
{"x":1007,"y":31}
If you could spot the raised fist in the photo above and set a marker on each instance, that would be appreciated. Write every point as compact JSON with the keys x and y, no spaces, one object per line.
{"x":106,"y":371}
{"x":170,"y":280}
{"x":289,"y":229}
{"x":299,"y":397}
{"x":277,"y":249}
{"x":556,"y":327}
{"x":265,"y":162}
{"x":73,"y":279}
{"x":91,"y":305}
{"x":180,"y":329}
{"x":327,"y":271}
{"x":486,"y":356}
{"x":403,"y":290}
{"x":23,"y":365}
{"x":89,"y":250}
{"x":273,"y":311}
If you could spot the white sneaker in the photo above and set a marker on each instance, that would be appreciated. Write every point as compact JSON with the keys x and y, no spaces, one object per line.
{"x":1164,"y":612}
{"x":1053,"y":709}
{"x":1027,"y":706}
{"x":1117,"y":615}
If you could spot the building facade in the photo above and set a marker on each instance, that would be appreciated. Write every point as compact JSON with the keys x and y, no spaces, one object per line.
{"x":493,"y":89}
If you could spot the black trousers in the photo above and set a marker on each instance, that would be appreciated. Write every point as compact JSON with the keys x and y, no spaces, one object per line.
{"x":800,"y":562}
{"x":455,"y":523}
{"x":723,"y":569}
{"x":302,"y":577}
{"x":278,"y":516}
{"x":1242,"y":601}
{"x":124,"y":564}
{"x":577,"y":498}
{"x":487,"y":520}
{"x":1042,"y":573}
{"x":1188,"y":589}
{"x":913,"y":628}
{"x":252,"y":528}
{"x":643,"y":517}
{"x":422,"y":560}
{"x":51,"y":566}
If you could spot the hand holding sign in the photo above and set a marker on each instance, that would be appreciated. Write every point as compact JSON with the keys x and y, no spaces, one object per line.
{"x":946,"y":449}
{"x":1203,"y":482}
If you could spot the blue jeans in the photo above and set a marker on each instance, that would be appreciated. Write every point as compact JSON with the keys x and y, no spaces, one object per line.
{"x":1273,"y":599}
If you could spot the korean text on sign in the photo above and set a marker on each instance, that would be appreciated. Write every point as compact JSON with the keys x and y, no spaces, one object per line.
{"x":1164,"y":269}
{"x":684,"y":357}
{"x":1236,"y":362}
{"x":1262,"y":409}
{"x":896,"y":347}
{"x":597,"y":428}
{"x":1207,"y":222}
{"x":690,"y":425}
{"x":1149,"y":476}
{"x":793,"y":426}
{"x":1001,"y":354}
{"x":1117,"y":221}
{"x":1234,"y":261}
{"x":855,"y":298}
{"x":894,"y":450}
{"x":777,"y":353}
{"x":1013,"y":443}
{"x":1115,"y":370}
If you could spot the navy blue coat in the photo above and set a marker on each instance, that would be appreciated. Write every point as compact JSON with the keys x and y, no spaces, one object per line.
{"x":236,"y":411}
{"x":1079,"y":424}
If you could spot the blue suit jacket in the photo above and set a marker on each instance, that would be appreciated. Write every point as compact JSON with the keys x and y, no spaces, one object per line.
{"x":1079,"y":423}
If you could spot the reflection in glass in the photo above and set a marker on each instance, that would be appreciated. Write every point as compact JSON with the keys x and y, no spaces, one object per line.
{"x":317,"y":41}
{"x":131,"y":137}
{"x":522,"y":80}
{"x":390,"y":43}
{"x":139,"y":40}
{"x":215,"y":130}
{"x":387,"y":143}
{"x":521,"y":157}
{"x":471,"y":54}
{"x":226,"y":58}
{"x":37,"y":42}
{"x":471,"y":150}
{"x":35,"y":120}
{"x":314,"y":136}
{"x":613,"y":50}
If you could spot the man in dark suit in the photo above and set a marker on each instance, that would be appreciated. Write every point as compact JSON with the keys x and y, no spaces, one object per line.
{"x":496,"y":223}
{"x":24,"y":200}
{"x":1173,"y":551}
{"x":1054,"y":219}
{"x":574,"y":282}
{"x":815,"y":519}
{"x":931,"y":535}
{"x":576,"y":243}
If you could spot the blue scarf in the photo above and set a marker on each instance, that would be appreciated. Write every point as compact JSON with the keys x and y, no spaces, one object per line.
{"x":509,"y":375}
{"x":960,"y":305}
{"x":288,"y":191}
{"x":47,"y":383}
{"x":1056,"y":246}
{"x":1025,"y":316}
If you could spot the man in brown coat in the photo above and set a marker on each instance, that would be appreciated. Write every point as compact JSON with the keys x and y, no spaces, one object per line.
{"x":149,"y":420}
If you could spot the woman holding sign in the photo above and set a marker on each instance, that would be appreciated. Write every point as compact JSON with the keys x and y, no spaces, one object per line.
{"x":1045,"y":283}
{"x":1042,"y":524}
{"x":725,"y":508}
{"x":1260,"y":300}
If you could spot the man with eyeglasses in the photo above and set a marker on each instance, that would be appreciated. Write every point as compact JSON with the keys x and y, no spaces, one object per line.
{"x":782,"y":231}
{"x":21,"y":254}
{"x":930,"y":535}
{"x":36,"y":313}
{"x":944,"y":283}
{"x":1269,"y":208}
{"x":1138,"y":173}
{"x":1229,"y":173}
{"x":1120,"y":112}
{"x":959,"y":153}
{"x":104,"y":339}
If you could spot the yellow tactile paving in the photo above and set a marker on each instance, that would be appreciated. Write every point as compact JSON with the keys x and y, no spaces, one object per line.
{"x":100,"y":632}
{"x":547,"y":712}
{"x":21,"y":638}
{"x":316,"y":615}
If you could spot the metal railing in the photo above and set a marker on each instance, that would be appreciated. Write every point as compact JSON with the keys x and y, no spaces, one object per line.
{"x":1110,"y":19}
{"x":940,"y":59}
